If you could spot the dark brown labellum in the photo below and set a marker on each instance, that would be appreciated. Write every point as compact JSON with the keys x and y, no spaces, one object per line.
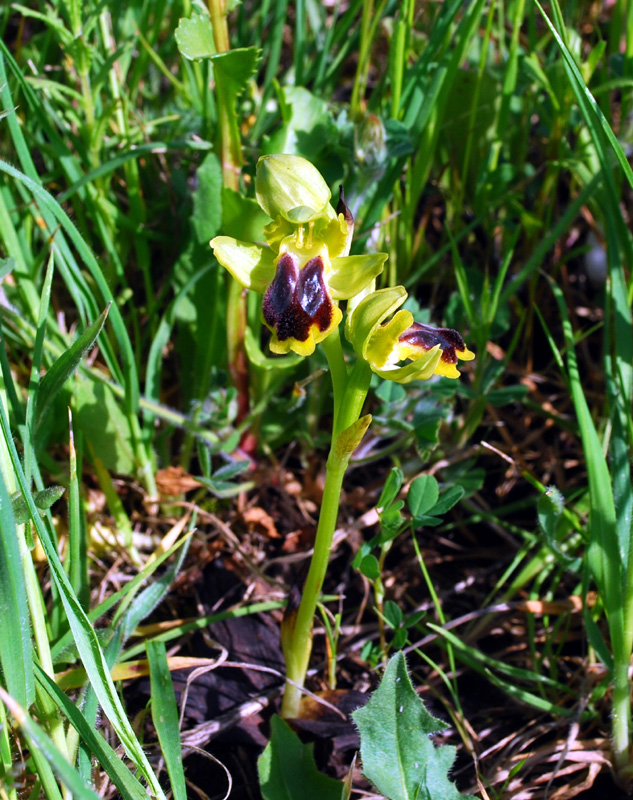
{"x":427,"y":337}
{"x":297,"y":299}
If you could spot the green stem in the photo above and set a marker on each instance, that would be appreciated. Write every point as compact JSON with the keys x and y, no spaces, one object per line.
{"x":621,"y":721}
{"x":300,"y":645}
{"x":338,"y":368}
{"x":297,"y":633}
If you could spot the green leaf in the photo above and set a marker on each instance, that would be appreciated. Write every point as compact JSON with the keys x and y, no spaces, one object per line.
{"x":393,"y":614}
{"x":287,"y":770}
{"x":392,"y":486}
{"x":37,"y":740}
{"x":391,"y":521}
{"x":550,"y":507}
{"x":307,"y":128}
{"x":397,"y":755}
{"x":128,"y":785}
{"x":106,"y":428}
{"x":207,"y":199}
{"x":43,"y":501}
{"x":16,"y":655}
{"x":234,"y":68}
{"x":370,"y":567}
{"x":447,"y":500}
{"x":194,"y":37}
{"x":242,"y":217}
{"x":348,"y":440}
{"x":65,"y":365}
{"x":7,"y":265}
{"x":423,"y":495}
{"x":165,"y":717}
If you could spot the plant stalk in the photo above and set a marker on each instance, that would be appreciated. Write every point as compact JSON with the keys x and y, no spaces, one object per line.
{"x":349,"y":397}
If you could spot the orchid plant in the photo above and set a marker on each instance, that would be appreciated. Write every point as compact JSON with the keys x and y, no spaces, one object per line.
{"x":304,"y":272}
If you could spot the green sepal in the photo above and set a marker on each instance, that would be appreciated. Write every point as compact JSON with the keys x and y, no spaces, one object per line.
{"x":351,"y":274}
{"x":421,"y":369}
{"x":291,"y":187}
{"x":371,"y":312}
{"x":251,"y":265}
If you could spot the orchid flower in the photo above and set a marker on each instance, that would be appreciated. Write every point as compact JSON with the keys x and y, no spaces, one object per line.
{"x":306,"y":269}
{"x":428,"y":350}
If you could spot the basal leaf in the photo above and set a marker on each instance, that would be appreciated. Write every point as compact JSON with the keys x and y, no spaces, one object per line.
{"x":397,"y":754}
{"x":287,"y":770}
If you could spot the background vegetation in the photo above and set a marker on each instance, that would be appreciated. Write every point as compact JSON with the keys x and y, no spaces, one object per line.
{"x":484,"y":147}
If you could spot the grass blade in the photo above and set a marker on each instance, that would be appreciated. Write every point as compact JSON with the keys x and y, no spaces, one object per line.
{"x":16,"y":654}
{"x":40,"y":743}
{"x":165,"y":717}
{"x":129,"y":787}
{"x":83,"y":632}
{"x":65,"y":365}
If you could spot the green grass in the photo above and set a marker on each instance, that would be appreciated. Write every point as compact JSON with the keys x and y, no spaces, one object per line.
{"x":478,"y":145}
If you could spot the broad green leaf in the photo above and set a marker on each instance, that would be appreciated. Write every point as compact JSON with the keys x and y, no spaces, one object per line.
{"x":423,"y":495}
{"x":104,"y":425}
{"x":16,"y":655}
{"x":207,"y":200}
{"x":65,"y":365}
{"x":194,"y":37}
{"x":397,"y":755}
{"x":242,"y":217}
{"x":287,"y":770}
{"x":165,"y":717}
{"x":370,"y":567}
{"x":236,"y":68}
{"x":307,"y":129}
{"x":393,"y":614}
